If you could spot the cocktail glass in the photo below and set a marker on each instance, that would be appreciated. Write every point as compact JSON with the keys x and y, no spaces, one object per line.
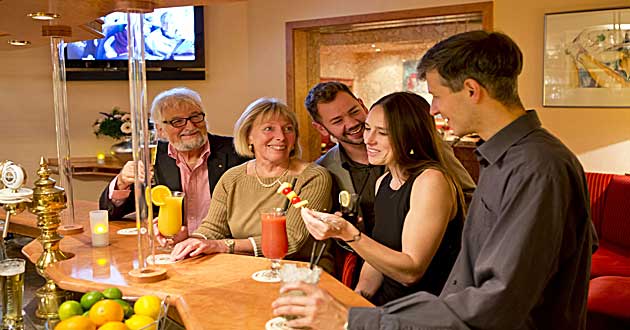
{"x":274,"y":242}
{"x":170,"y":218}
{"x":291,"y":273}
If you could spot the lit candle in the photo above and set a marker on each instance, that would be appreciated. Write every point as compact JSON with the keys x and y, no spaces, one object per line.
{"x":100,"y":158}
{"x":100,"y":228}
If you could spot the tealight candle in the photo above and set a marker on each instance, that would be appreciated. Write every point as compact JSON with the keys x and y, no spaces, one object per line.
{"x":100,"y":158}
{"x":99,"y":227}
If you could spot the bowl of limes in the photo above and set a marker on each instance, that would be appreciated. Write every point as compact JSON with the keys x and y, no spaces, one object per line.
{"x":107,"y":310}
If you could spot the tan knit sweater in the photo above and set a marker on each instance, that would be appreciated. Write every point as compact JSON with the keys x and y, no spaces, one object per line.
{"x":238,"y":197}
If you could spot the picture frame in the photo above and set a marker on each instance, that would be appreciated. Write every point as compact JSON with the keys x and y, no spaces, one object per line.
{"x":586,"y":60}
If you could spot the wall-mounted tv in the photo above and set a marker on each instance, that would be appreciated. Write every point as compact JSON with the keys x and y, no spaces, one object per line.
{"x":173,"y":46}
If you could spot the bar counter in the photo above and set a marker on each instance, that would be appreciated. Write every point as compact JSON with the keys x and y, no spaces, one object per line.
{"x":208,"y":292}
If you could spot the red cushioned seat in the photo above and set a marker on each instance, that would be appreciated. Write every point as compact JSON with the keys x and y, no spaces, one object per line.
{"x":610,"y":260}
{"x":609,"y":296}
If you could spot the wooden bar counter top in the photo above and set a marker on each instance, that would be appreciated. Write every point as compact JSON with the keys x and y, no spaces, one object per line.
{"x":208,"y":292}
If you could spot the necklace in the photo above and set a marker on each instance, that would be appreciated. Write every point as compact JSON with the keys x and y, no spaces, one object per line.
{"x":277,"y":181}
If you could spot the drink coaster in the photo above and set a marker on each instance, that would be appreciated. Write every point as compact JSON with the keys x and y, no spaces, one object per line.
{"x":265,"y":276}
{"x":161,"y":259}
{"x":128,"y":231}
{"x":277,"y":323}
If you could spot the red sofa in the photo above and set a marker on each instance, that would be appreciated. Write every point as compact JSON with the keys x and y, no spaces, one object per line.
{"x":609,"y":291}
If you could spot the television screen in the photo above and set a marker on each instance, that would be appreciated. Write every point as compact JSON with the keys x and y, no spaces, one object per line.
{"x":173,"y":40}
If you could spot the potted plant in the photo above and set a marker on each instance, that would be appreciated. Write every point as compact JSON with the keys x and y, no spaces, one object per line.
{"x":116,"y":125}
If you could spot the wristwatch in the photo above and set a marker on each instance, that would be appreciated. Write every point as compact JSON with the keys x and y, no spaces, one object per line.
{"x":230,"y":244}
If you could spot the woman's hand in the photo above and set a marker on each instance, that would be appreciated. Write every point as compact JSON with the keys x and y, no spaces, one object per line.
{"x":317,"y":310}
{"x":193,"y":247}
{"x":324,"y":225}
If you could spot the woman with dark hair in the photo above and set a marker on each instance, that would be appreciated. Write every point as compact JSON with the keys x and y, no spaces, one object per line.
{"x":419,"y":208}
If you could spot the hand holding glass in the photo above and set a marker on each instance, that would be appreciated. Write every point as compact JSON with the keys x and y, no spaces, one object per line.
{"x":170,"y":218}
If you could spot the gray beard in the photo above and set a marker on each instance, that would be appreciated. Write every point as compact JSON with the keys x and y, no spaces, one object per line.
{"x":192,"y":145}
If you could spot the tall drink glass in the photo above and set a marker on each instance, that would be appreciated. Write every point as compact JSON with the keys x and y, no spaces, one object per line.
{"x":274,"y":240}
{"x":170,"y":218}
{"x":12,"y":283}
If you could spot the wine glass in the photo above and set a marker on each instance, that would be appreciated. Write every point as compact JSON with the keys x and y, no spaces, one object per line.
{"x":274,"y":242}
{"x":349,"y":207}
{"x":170,"y":218}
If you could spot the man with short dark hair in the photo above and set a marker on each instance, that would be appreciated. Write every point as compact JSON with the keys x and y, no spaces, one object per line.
{"x":527,"y":241}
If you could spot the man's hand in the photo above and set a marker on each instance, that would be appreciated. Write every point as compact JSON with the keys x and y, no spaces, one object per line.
{"x":193,"y":247}
{"x":126,"y":176}
{"x":182,"y":235}
{"x":318,"y":309}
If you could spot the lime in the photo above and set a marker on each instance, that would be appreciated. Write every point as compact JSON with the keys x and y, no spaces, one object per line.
{"x":344,"y":198}
{"x":112,"y":293}
{"x":90,"y":298}
{"x":86,"y":314}
{"x":148,"y":306}
{"x":159,"y":194}
{"x":126,"y":307}
{"x":136,"y":322}
{"x":69,"y":308}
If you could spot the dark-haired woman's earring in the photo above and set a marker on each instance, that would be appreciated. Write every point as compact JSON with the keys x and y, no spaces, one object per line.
{"x":411,"y":152}
{"x":251,"y":147}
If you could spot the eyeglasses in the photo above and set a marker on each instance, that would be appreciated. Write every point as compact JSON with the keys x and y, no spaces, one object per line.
{"x":181,"y":122}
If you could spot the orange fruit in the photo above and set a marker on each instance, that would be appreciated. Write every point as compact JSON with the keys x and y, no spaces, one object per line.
{"x":76,"y":323}
{"x":159,"y":194}
{"x":105,"y":311}
{"x":113,"y":326}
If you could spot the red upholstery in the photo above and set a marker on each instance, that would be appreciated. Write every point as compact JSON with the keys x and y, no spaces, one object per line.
{"x":610,"y":260}
{"x":609,"y":303}
{"x":597,"y":185}
{"x":349,"y":267}
{"x":615,"y":226}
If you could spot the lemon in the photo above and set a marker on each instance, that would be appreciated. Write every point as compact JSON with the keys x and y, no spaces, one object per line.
{"x":148,"y":306}
{"x":76,"y":323}
{"x":90,"y":298}
{"x":344,"y":198}
{"x":112,"y":293}
{"x":136,"y":322}
{"x":105,"y":311}
{"x":159,"y":194}
{"x":69,"y":308}
{"x":113,"y":326}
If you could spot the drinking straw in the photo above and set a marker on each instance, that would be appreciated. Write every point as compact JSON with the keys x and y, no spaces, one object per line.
{"x":286,"y":202}
{"x":310,"y":263}
{"x":319,"y":255}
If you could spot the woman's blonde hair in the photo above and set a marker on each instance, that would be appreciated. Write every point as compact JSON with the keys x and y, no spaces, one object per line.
{"x":262,"y":109}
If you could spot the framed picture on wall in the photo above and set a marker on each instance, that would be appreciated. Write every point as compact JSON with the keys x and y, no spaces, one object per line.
{"x":587,"y":59}
{"x":410,"y":82}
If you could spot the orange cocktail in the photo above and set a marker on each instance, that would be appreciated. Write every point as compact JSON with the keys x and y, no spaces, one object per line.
{"x":170,"y":217}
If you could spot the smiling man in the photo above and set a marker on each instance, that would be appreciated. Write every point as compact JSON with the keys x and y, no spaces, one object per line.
{"x":189,"y":160}
{"x":527,"y":240}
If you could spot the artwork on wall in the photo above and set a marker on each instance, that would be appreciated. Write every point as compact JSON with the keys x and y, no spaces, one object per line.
{"x":410,"y":82}
{"x":587,"y":59}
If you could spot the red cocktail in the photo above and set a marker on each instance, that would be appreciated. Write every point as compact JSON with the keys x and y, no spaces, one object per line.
{"x":274,"y":240}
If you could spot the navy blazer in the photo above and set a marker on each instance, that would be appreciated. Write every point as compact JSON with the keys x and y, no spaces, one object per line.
{"x":222,"y":157}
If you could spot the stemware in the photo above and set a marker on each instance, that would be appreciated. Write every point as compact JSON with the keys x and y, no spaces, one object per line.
{"x":274,"y":242}
{"x":170,"y":218}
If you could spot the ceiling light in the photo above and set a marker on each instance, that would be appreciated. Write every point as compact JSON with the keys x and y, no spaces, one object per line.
{"x":41,"y":16}
{"x":377,"y":50}
{"x":373,"y":46}
{"x":19,"y":42}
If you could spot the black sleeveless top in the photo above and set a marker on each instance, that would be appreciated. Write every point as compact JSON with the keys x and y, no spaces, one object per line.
{"x":391,"y":208}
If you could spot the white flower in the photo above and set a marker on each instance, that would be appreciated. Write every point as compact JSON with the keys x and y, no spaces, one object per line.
{"x":117,"y":116}
{"x":126,"y":128}
{"x":126,"y":117}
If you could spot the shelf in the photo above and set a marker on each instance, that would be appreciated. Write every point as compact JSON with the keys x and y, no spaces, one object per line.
{"x":87,"y":166}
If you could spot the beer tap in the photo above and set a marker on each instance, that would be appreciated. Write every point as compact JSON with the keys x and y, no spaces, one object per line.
{"x":13,"y":197}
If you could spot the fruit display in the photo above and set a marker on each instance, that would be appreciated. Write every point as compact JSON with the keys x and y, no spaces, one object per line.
{"x":286,"y":189}
{"x":107,"y":310}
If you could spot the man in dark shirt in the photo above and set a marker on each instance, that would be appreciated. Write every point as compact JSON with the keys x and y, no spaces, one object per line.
{"x":527,"y":242}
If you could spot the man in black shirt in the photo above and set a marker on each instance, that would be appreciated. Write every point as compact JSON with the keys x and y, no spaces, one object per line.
{"x":527,"y":241}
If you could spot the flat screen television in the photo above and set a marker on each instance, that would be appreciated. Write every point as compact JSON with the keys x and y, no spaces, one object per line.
{"x":173,"y":46}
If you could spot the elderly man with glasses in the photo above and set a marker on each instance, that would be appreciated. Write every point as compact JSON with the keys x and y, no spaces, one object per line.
{"x":189,"y":159}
